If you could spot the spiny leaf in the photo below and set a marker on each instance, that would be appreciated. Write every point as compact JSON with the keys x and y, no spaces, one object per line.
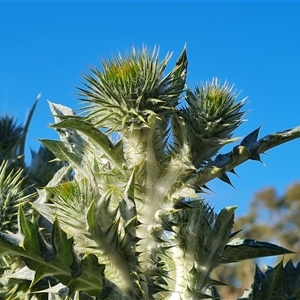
{"x":91,"y":218}
{"x":250,"y":139}
{"x":29,"y":231}
{"x":61,"y":151}
{"x":179,"y":74}
{"x":9,"y":243}
{"x":269,"y":286}
{"x":277,"y":283}
{"x":47,"y":251}
{"x":233,"y":172}
{"x":224,"y":177}
{"x":249,"y":142}
{"x":12,"y":195}
{"x":24,"y":273}
{"x":127,"y":206}
{"x":91,"y":279}
{"x":60,"y":112}
{"x":60,"y":290}
{"x":240,"y":154}
{"x":240,"y":249}
{"x":97,"y":136}
{"x":26,"y":126}
{"x":63,"y":263}
{"x":224,"y":222}
{"x":292,"y":279}
{"x":202,"y":236}
{"x":233,"y":234}
{"x":62,"y":244}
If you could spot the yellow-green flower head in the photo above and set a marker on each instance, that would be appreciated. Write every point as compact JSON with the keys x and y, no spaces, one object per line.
{"x":132,"y":88}
{"x":213,"y":114}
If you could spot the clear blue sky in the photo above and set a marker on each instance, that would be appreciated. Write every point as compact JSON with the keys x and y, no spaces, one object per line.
{"x":46,"y":47}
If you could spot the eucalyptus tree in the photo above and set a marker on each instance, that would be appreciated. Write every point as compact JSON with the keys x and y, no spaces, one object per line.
{"x":127,"y":214}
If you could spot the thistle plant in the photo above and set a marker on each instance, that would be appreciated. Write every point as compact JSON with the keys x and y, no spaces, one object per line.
{"x":127,"y":217}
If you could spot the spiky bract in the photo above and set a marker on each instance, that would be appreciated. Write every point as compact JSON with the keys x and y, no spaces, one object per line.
{"x":212,"y":114}
{"x":12,"y":195}
{"x":130,"y":89}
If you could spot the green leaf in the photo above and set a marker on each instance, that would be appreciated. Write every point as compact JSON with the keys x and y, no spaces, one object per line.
{"x":26,"y":126}
{"x":29,"y":231}
{"x":129,"y":214}
{"x":9,"y":244}
{"x":178,"y":74}
{"x":91,"y":218}
{"x":61,"y":151}
{"x":91,"y":279}
{"x":97,"y":136}
{"x":127,"y":206}
{"x":13,"y":192}
{"x":62,"y":244}
{"x":56,"y":258}
{"x":240,"y":249}
{"x":224,"y":223}
{"x":292,"y":279}
{"x":269,"y":286}
{"x":60,"y":111}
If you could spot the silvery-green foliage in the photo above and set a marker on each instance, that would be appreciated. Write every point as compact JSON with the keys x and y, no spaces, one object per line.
{"x":128,"y":220}
{"x":18,"y":183}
